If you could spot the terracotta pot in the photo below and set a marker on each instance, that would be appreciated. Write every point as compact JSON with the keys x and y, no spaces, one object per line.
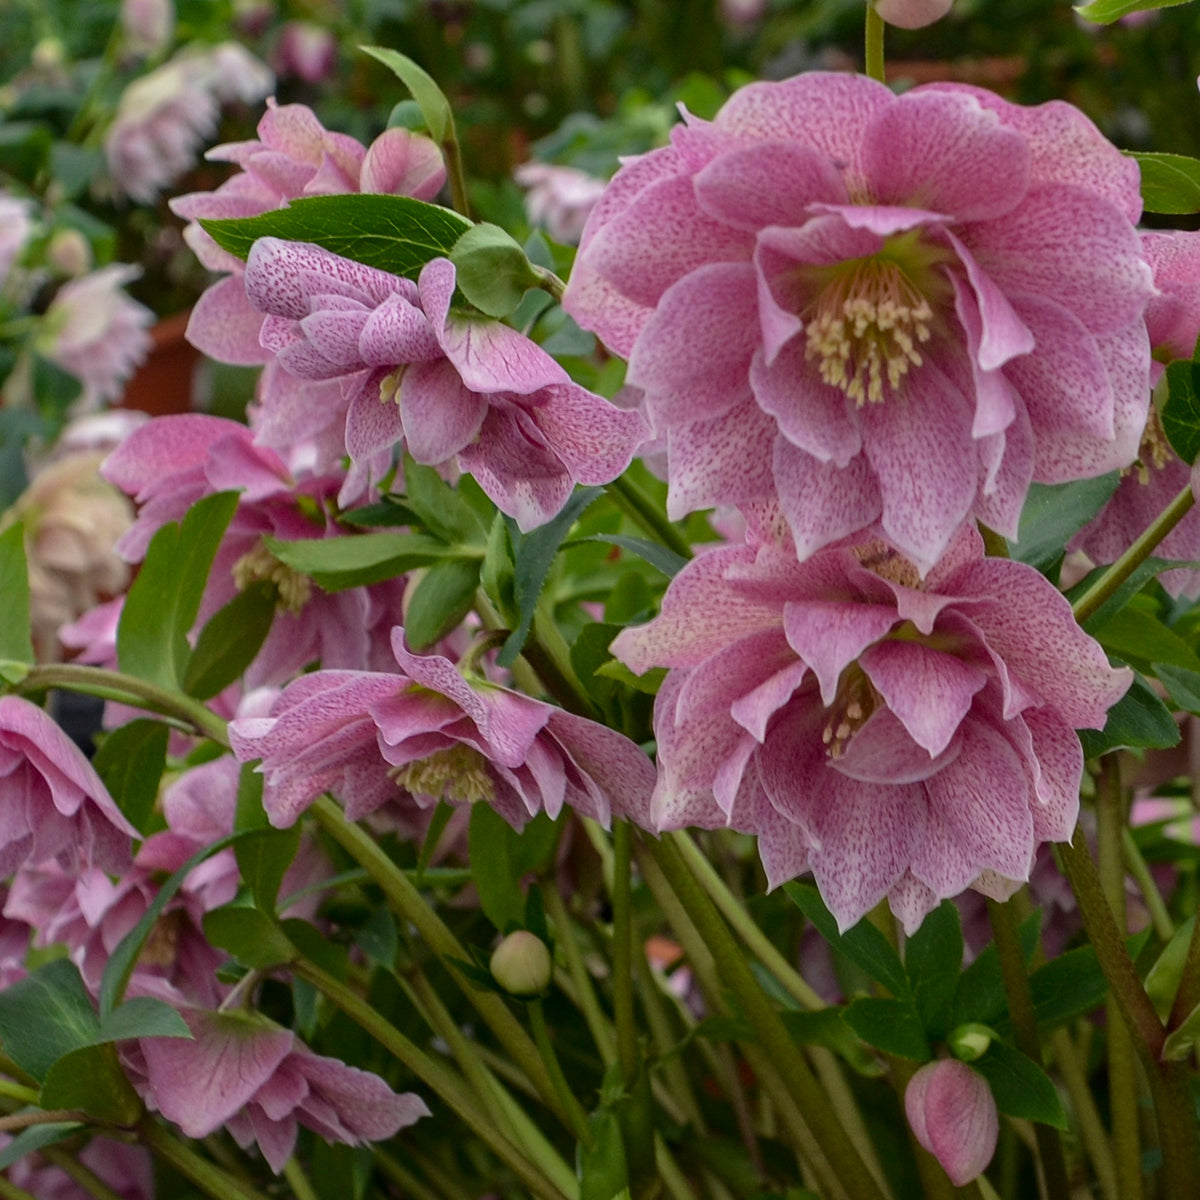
{"x":166,"y":381}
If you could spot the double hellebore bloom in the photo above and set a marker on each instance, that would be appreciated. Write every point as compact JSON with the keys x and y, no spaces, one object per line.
{"x":451,"y":386}
{"x":410,"y":739}
{"x":876,"y":308}
{"x":896,"y":737}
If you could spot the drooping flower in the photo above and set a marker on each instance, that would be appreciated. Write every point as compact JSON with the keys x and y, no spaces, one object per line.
{"x":1158,"y":474}
{"x":559,"y":198}
{"x":452,"y":387}
{"x":54,"y":804}
{"x":306,"y":50}
{"x":261,"y":1082}
{"x":147,"y":25}
{"x":952,"y":1113}
{"x":895,"y":737}
{"x":876,"y":308}
{"x":94,"y":331}
{"x":428,"y":733}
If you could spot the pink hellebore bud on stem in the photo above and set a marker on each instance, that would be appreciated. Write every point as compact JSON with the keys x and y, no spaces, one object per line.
{"x":953,"y":1115}
{"x":912,"y":14}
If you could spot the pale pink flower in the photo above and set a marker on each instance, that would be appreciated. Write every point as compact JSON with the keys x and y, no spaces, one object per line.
{"x":895,"y":737}
{"x":453,"y":387}
{"x":912,"y":14}
{"x":15,"y":231}
{"x":127,"y":1169}
{"x":878,"y":308}
{"x":147,"y":25}
{"x":261,"y":1082}
{"x":305,"y":50}
{"x":427,"y":733}
{"x":55,"y":806}
{"x":558,"y":198}
{"x":952,"y":1113}
{"x":94,"y":331}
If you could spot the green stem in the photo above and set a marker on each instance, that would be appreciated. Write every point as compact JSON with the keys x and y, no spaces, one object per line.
{"x":622,"y":902}
{"x":454,"y":170}
{"x":296,"y":1179}
{"x":1135,"y":864}
{"x":10,"y":1191}
{"x":585,"y":994}
{"x":409,"y":1184}
{"x":874,"y":43}
{"x":549,"y":282}
{"x":18,"y":1091}
{"x":207,"y":1176}
{"x":1092,"y":1134}
{"x":127,"y":689}
{"x":541,"y":1038}
{"x":56,"y":1116}
{"x":408,"y":902}
{"x":1187,"y":994}
{"x":432,"y":1073}
{"x":629,"y":497}
{"x":1020,"y":1008}
{"x":1111,"y":580}
{"x":771,"y":1035}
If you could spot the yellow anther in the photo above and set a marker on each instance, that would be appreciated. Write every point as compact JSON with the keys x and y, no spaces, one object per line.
{"x":295,"y":589}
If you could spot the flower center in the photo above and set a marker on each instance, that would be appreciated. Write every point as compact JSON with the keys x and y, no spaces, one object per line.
{"x":1155,"y":451}
{"x":295,"y":590}
{"x":389,"y":385}
{"x":864,"y":328}
{"x":880,"y":559}
{"x":855,"y":701}
{"x":457,"y":773}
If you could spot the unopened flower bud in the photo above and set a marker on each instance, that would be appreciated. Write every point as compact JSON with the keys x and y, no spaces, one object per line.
{"x":912,"y":14}
{"x":969,"y":1042}
{"x":49,"y":54}
{"x":953,"y":1115}
{"x":521,"y":964}
{"x":69,"y":253}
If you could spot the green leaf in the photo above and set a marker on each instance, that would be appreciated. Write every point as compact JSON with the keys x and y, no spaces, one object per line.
{"x":490,"y":847}
{"x":230,"y":639}
{"x":46,"y":1015}
{"x":1139,"y":718}
{"x":263,"y":859}
{"x":249,"y":814}
{"x":1053,"y":513}
{"x":435,"y":108}
{"x":649,"y":683}
{"x":932,"y":960}
{"x":335,"y":564}
{"x":131,"y":761}
{"x":492,"y":270}
{"x":440,"y":601}
{"x":892,"y":1026}
{"x":91,"y":1079}
{"x":162,"y":604}
{"x":1181,"y":413}
{"x":863,"y":944}
{"x":396,"y":234}
{"x":1145,"y":571}
{"x":34,"y":1138}
{"x":15,"y":642}
{"x":827,"y":1027}
{"x":316,"y":945}
{"x":1137,"y":636}
{"x":142,"y":1016}
{"x":1182,"y":684}
{"x":1170,"y":182}
{"x":1181,"y":1041}
{"x":1162,"y":980}
{"x":603,"y":1174}
{"x":442,"y":509}
{"x":1021,"y":1088}
{"x":250,"y":936}
{"x":1105,"y":12}
{"x":979,"y":997}
{"x":533,"y":554}
{"x":657,"y":555}
{"x":1067,"y":987}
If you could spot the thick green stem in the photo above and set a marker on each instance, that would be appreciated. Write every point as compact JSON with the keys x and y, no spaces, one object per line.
{"x":432,"y":1073}
{"x":1092,"y":1134}
{"x":1020,"y":1009}
{"x":1111,"y":580}
{"x":541,"y":1039}
{"x":772,"y":1037}
{"x":206,"y":1175}
{"x":630,"y":498}
{"x":409,"y":903}
{"x":302,"y":1188}
{"x":622,"y":902}
{"x":1187,"y":994}
{"x":874,"y":43}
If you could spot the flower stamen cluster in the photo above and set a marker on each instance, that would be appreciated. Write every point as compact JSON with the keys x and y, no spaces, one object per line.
{"x":457,"y":773}
{"x":295,"y":589}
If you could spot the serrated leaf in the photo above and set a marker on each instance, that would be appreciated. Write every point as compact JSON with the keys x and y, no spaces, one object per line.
{"x":439,"y":602}
{"x":932,"y":960}
{"x":46,"y":1015}
{"x":657,"y":555}
{"x":1104,"y":12}
{"x":435,"y":108}
{"x":862,"y":944}
{"x":249,"y":935}
{"x":230,"y":639}
{"x":442,"y":509}
{"x":396,"y":234}
{"x":1139,"y":718}
{"x":491,"y":269}
{"x":335,"y":564}
{"x":131,"y":761}
{"x":892,"y":1026}
{"x":263,"y":859}
{"x":1053,"y":513}
{"x":1181,"y":413}
{"x":161,"y":606}
{"x":1170,"y":182}
{"x":91,"y":1079}
{"x":1020,"y":1087}
{"x":16,"y":644}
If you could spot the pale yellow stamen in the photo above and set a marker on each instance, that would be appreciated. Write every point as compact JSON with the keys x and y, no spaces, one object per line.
{"x":864,"y":328}
{"x":879,"y":558}
{"x":854,"y":702}
{"x":458,"y":773}
{"x":295,"y":590}
{"x":1154,"y":452}
{"x":389,"y":386}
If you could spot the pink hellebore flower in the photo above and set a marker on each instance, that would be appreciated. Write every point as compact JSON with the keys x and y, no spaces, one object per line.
{"x":428,"y":733}
{"x":559,"y":198}
{"x":54,"y":805}
{"x":884,"y":308}
{"x":951,"y":1111}
{"x":127,"y":1170}
{"x":451,"y":386}
{"x":261,"y":1082}
{"x":1158,"y":475}
{"x":896,"y":737}
{"x":94,"y":331}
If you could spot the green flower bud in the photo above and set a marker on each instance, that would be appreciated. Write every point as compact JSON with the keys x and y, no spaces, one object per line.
{"x":969,"y":1042}
{"x":521,"y":964}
